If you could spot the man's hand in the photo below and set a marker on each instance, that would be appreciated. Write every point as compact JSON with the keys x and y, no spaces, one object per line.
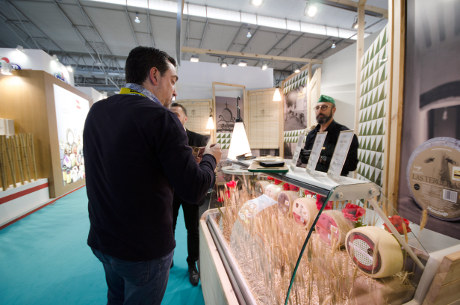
{"x":214,"y":149}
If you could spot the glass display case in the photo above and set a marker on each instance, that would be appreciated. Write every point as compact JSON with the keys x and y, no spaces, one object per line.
{"x":297,"y":238}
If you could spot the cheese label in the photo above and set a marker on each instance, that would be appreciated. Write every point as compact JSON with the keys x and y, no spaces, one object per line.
{"x":361,"y":249}
{"x":433,"y":176}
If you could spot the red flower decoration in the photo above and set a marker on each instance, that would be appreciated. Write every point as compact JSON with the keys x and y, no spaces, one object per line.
{"x":294,"y":188}
{"x":397,"y":221}
{"x":231,"y":184}
{"x":227,"y":192}
{"x":220,"y":199}
{"x":277,"y":181}
{"x":270,"y":178}
{"x":320,"y":201}
{"x":353,"y":211}
{"x":308,"y":193}
{"x":286,"y":186}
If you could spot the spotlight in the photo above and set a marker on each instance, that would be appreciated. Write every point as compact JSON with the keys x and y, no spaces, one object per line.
{"x":242,"y":63}
{"x":256,"y":2}
{"x":264,"y":67}
{"x":311,"y":9}
{"x":194,"y":58}
{"x":249,"y":35}
{"x":223,"y":64}
{"x":355,"y":23}
{"x":333,"y":45}
{"x":297,"y":70}
{"x":137,"y":20}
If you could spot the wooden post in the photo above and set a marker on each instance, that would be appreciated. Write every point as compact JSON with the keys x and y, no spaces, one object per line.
{"x":32,"y":153}
{"x":3,"y":163}
{"x":25,"y":155}
{"x":10,"y":154}
{"x":359,"y":56}
{"x":17,"y":151}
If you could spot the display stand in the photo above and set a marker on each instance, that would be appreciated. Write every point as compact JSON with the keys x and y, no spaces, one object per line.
{"x":230,"y":279}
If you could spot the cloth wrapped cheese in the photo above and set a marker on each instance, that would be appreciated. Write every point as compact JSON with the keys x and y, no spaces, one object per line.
{"x":273,"y":190}
{"x":260,"y":186}
{"x":375,"y":251}
{"x":286,"y":201}
{"x":332,"y":227}
{"x":304,"y":211}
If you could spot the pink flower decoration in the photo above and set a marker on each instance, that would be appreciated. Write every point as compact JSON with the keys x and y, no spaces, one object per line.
{"x":397,"y":221}
{"x":231,"y":184}
{"x":353,"y":211}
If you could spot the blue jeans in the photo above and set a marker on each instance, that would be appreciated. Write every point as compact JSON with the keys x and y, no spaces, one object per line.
{"x":141,"y":282}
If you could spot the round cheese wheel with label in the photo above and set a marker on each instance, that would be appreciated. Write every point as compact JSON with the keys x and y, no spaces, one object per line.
{"x":272,"y":190}
{"x":332,"y":227}
{"x":260,"y":186}
{"x":286,"y":200}
{"x":375,"y":251}
{"x":304,"y":211}
{"x":433,"y":177}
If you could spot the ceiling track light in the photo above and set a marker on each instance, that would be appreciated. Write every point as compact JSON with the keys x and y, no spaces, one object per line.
{"x":242,"y":63}
{"x":256,"y":2}
{"x":194,"y":58}
{"x":137,"y":20}
{"x":223,"y":64}
{"x":311,"y":9}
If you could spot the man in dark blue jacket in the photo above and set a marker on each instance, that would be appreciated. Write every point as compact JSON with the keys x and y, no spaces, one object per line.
{"x":136,"y":156}
{"x":191,"y":211}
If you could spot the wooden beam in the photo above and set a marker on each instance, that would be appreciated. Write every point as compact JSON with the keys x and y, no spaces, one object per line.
{"x":250,"y":55}
{"x":369,"y":8}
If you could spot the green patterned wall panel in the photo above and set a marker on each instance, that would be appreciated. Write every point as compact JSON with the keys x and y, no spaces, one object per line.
{"x":373,"y":98}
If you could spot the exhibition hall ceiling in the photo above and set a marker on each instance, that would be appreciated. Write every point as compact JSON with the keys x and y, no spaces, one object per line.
{"x":95,"y":36}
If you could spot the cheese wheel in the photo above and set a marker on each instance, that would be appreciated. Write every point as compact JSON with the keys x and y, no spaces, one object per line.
{"x":375,"y":251}
{"x":304,"y":211}
{"x":433,"y":177}
{"x":332,"y":227}
{"x":273,"y":190}
{"x":286,"y":201}
{"x":260,"y":186}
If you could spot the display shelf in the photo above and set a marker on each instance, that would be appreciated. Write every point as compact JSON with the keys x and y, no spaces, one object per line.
{"x":231,"y":270}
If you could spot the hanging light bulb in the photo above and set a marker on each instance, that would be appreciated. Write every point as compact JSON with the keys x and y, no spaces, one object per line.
{"x":333,"y":45}
{"x":249,"y":35}
{"x":256,"y":2}
{"x":444,"y":115}
{"x":264,"y":66}
{"x":137,"y":20}
{"x":297,"y":70}
{"x":210,"y":124}
{"x":239,"y":144}
{"x":277,"y":95}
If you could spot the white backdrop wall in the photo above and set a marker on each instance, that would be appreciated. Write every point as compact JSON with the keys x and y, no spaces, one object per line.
{"x":195,"y":79}
{"x":93,"y":93}
{"x":35,"y":59}
{"x":338,"y":80}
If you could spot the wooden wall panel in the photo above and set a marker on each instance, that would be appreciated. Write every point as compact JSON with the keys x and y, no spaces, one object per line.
{"x":28,"y":98}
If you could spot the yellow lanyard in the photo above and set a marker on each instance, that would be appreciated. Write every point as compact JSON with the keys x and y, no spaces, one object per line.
{"x":125,"y":90}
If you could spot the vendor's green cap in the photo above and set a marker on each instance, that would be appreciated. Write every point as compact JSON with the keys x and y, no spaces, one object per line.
{"x":326,"y":99}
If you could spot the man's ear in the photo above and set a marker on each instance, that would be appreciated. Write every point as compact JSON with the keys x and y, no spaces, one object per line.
{"x":153,"y":75}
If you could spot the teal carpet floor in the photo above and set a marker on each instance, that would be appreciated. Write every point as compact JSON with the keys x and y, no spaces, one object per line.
{"x":44,"y":259}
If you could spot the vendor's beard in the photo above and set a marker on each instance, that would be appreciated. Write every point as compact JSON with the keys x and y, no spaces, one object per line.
{"x":322,"y":118}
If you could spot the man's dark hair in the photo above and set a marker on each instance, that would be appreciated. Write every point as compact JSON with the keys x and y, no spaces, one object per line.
{"x":141,"y":59}
{"x":179,"y":105}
